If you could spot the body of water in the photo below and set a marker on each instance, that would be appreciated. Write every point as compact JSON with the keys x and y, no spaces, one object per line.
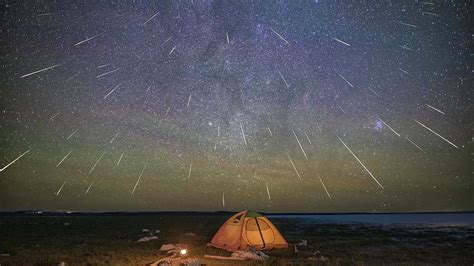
{"x":441,"y":219}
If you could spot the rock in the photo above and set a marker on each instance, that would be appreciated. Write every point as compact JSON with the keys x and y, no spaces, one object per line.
{"x":303,"y":243}
{"x":145,"y":230}
{"x":190,"y":262}
{"x":317,"y":253}
{"x":257,"y":255}
{"x":167,"y":247}
{"x":321,"y":259}
{"x":147,"y":238}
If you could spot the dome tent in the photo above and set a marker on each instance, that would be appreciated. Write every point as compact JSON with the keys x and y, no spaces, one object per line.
{"x":248,"y":229}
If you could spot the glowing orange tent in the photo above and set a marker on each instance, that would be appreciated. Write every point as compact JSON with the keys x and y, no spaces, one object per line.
{"x":248,"y":229}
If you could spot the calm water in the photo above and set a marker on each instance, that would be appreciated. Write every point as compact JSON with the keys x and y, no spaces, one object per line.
{"x":451,"y":219}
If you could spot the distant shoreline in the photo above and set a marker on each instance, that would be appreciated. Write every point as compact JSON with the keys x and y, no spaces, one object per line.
{"x":385,"y":219}
{"x":204,"y":213}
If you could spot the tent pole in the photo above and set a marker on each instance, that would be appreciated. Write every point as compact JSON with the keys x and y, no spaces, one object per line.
{"x":260,"y":231}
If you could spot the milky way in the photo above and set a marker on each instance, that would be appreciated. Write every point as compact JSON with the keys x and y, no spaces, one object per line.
{"x":295,"y":106}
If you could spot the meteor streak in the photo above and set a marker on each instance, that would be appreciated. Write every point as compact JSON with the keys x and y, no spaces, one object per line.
{"x":299,"y":143}
{"x":342,"y":77}
{"x":112,"y":91}
{"x":396,"y":133}
{"x":406,"y":47}
{"x":70,"y":78}
{"x":167,"y":40}
{"x":72,"y":134}
{"x":431,"y":14}
{"x":270,"y":131}
{"x":61,"y":188}
{"x":294,"y":167}
{"x":106,"y":73}
{"x":415,"y":144}
{"x":436,"y":109}
{"x":284,"y":80}
{"x":324,"y":186}
{"x":64,"y":158}
{"x":268,"y":191}
{"x":89,"y":188}
{"x":307,"y":137}
{"x":138,"y":180}
{"x":243,"y":134}
{"x":113,"y":138}
{"x":454,"y":145}
{"x":404,"y":71}
{"x":319,"y":127}
{"x":96,"y":163}
{"x":16,"y":159}
{"x":86,"y":40}
{"x":336,"y":39}
{"x":189,"y":100}
{"x":407,"y":24}
{"x":152,"y":17}
{"x":281,"y":37}
{"x":172,"y":50}
{"x":120,"y":159}
{"x":376,"y":94}
{"x":54,"y":116}
{"x":190,"y":169}
{"x":368,"y":171}
{"x":39,"y":71}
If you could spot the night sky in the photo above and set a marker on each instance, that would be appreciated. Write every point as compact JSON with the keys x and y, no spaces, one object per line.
{"x":278,"y":106}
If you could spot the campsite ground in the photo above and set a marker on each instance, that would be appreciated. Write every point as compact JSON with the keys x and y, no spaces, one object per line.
{"x":94,"y":239}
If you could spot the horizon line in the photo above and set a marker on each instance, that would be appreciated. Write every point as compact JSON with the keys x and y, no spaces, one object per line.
{"x":39,"y":212}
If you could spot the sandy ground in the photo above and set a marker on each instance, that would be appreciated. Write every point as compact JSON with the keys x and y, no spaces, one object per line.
{"x":111,"y":239}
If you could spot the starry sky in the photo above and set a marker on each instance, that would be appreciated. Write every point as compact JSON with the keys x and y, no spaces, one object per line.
{"x":277,"y":106}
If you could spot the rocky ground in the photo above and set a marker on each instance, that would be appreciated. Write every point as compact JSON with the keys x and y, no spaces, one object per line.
{"x":112,"y":239}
